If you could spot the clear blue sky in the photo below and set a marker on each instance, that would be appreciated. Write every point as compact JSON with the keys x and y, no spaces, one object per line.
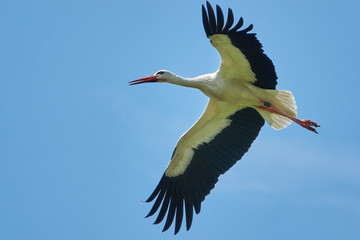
{"x":80,"y":149}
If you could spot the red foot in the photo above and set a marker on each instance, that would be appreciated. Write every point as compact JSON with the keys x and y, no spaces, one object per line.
{"x":307,"y":124}
{"x":310,"y":123}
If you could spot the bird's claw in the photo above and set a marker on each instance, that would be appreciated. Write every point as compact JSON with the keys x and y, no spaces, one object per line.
{"x":308,"y":124}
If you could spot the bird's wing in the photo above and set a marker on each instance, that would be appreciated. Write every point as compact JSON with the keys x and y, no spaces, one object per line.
{"x":242,"y":56}
{"x":218,"y":139}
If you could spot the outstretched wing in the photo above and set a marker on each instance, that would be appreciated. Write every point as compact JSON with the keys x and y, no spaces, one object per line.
{"x":218,"y":139}
{"x":242,"y":56}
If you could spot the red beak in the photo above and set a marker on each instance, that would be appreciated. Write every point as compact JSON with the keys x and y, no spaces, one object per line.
{"x":147,"y":79}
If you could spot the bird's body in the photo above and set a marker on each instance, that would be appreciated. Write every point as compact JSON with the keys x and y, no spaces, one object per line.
{"x":241,"y":96}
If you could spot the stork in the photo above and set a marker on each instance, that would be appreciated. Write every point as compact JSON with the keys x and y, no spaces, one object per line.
{"x":242,"y":97}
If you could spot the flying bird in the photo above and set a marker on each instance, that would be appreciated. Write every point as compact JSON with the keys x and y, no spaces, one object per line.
{"x":242,"y":97}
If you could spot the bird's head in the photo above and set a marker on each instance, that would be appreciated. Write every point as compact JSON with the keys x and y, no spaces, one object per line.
{"x":159,"y":76}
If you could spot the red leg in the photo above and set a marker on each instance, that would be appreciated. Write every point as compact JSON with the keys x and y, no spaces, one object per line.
{"x":304,"y":122}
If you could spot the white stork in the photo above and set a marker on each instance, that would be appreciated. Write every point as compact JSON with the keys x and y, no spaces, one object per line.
{"x":242,"y":95}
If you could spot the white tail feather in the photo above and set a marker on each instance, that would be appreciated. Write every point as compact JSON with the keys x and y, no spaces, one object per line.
{"x":285,"y":102}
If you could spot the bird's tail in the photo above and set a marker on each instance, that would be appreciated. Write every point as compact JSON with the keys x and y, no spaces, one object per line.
{"x":285,"y":102}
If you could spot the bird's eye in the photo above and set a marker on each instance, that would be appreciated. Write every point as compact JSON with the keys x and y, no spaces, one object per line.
{"x":160,"y":72}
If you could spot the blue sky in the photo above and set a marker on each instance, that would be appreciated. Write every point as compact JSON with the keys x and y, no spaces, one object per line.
{"x":80,"y":149}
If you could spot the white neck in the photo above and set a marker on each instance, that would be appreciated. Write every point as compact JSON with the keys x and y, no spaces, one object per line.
{"x":178,"y":80}
{"x":199,"y":82}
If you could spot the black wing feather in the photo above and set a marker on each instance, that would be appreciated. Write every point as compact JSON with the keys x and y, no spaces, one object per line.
{"x":220,"y":18}
{"x":189,"y":213}
{"x":209,"y":161}
{"x":248,"y":44}
{"x":238,"y":25}
{"x":229,"y":21}
{"x":179,"y":214}
{"x":172,"y":208}
{"x":164,"y":207}
{"x":206,"y":22}
{"x":212,"y":20}
{"x":156,"y":204}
